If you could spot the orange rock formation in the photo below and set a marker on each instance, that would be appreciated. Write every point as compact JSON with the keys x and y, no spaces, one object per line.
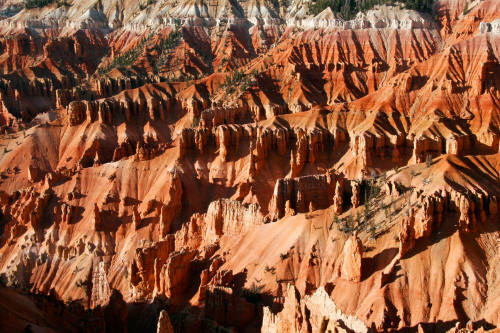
{"x":177,"y":166}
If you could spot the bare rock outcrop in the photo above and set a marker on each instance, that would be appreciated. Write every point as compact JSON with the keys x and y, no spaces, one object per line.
{"x":121,"y":108}
{"x":140,"y":169}
{"x":316,"y":313}
{"x":101,"y":290}
{"x":227,"y":140}
{"x":356,"y":194}
{"x":237,"y":312}
{"x":407,"y":235}
{"x":145,"y":269}
{"x":173,"y":207}
{"x":175,"y":274}
{"x":76,"y":112}
{"x":96,"y":218}
{"x":300,"y":192}
{"x":338,"y":199}
{"x":229,"y":217}
{"x":28,"y":207}
{"x":352,"y":257}
{"x":430,"y":215}
{"x":195,"y":139}
{"x":164,"y":325}
{"x":116,"y":313}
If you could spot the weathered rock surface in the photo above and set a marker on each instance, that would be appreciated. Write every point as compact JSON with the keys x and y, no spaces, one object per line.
{"x":301,"y":191}
{"x":243,"y":165}
{"x":314,"y":312}
{"x":164,"y":325}
{"x":353,"y":253}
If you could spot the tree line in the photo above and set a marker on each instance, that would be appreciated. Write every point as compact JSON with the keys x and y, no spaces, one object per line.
{"x":349,"y":8}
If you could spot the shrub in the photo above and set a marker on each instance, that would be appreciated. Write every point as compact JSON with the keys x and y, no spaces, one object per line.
{"x":284,"y":256}
{"x":30,"y":4}
{"x":349,"y":8}
{"x":347,"y":225}
{"x":335,"y":221}
{"x":166,"y":45}
{"x":237,"y":79}
{"x":84,"y":285}
{"x":196,"y":121}
{"x":252,"y":294}
{"x":270,"y":269}
{"x":372,"y":229}
{"x":127,"y":58}
{"x":466,"y":9}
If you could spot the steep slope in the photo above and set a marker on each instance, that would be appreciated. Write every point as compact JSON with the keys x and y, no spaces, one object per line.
{"x":249,"y":166}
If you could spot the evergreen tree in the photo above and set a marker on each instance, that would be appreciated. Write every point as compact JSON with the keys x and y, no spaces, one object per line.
{"x":349,"y":8}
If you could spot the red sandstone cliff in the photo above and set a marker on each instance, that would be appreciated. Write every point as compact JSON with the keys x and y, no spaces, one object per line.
{"x":205,"y":167}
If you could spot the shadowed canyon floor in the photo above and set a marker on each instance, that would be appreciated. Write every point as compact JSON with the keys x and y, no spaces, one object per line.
{"x":249,"y":166}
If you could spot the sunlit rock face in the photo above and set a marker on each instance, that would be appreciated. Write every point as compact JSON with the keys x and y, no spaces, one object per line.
{"x":245,"y":166}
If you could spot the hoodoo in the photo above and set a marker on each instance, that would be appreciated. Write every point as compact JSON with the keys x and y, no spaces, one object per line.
{"x":249,"y":166}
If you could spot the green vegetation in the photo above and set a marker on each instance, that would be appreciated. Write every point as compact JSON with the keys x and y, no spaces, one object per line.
{"x":196,"y":121}
{"x":372,"y":190}
{"x":347,"y":225}
{"x":143,"y":6}
{"x":401,"y":188}
{"x":239,"y":80}
{"x":335,"y":221}
{"x":466,"y":9}
{"x":364,"y":220}
{"x":166,"y":45}
{"x":233,"y":81}
{"x":252,"y":294}
{"x":84,"y":285}
{"x":284,"y":256}
{"x":127,"y":58}
{"x":349,"y":8}
{"x":171,"y":41}
{"x":270,"y":269}
{"x":30,"y":4}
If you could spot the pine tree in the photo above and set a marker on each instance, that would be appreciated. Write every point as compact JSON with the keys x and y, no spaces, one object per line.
{"x":349,"y":8}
